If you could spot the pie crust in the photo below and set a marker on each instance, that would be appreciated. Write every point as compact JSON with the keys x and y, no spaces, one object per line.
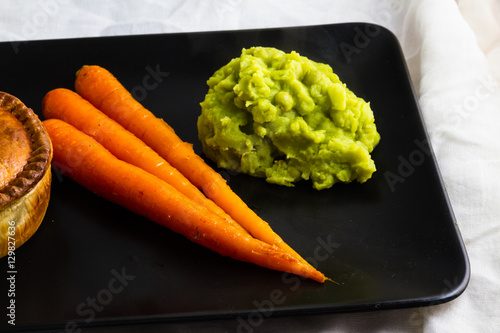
{"x":25,"y":193}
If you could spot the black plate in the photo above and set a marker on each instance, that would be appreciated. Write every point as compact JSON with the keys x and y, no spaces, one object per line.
{"x":392,"y":242}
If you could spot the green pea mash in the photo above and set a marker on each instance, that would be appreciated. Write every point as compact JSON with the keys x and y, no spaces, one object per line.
{"x":286,"y":118}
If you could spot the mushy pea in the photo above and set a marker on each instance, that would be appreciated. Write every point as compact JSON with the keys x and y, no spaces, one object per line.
{"x":285,"y":118}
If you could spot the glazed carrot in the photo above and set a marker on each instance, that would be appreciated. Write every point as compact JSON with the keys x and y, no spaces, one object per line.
{"x":70,"y":107}
{"x":106,"y":93}
{"x":95,"y":168}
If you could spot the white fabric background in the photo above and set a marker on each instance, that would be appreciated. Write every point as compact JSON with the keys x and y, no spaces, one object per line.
{"x":453,"y":53}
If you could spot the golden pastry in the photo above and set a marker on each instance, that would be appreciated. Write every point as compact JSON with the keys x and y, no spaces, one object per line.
{"x":25,"y":173}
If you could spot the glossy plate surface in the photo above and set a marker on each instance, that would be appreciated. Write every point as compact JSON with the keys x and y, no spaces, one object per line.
{"x":392,"y":242}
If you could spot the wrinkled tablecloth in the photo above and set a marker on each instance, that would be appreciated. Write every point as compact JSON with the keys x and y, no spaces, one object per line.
{"x":453,"y":55}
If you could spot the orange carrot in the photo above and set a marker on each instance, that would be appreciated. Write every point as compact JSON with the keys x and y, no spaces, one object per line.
{"x":70,"y":107}
{"x":106,"y":93}
{"x":92,"y":166}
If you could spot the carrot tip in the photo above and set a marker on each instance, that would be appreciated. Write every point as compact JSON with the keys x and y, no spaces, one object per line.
{"x":330,"y":280}
{"x":78,"y":71}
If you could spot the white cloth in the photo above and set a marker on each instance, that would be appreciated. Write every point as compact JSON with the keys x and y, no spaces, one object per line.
{"x":453,"y":53}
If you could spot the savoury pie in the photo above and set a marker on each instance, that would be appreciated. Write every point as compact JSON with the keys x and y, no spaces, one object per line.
{"x":25,"y":174}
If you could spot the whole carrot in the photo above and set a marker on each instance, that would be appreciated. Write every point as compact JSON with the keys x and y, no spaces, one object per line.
{"x":95,"y":168}
{"x":70,"y":107}
{"x":106,"y":93}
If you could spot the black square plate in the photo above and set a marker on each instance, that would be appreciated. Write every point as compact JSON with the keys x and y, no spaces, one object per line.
{"x":391,"y":243}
